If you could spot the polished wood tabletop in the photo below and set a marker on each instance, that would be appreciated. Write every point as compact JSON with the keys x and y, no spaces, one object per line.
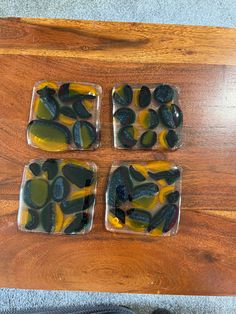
{"x":201,"y":61}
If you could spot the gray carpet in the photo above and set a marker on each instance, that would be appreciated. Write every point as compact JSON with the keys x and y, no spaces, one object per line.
{"x":202,"y":12}
{"x":143,"y":304}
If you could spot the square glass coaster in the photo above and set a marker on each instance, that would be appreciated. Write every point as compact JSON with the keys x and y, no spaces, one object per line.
{"x":57,"y":196}
{"x":147,"y":117}
{"x":64,"y":116}
{"x":144,"y":198}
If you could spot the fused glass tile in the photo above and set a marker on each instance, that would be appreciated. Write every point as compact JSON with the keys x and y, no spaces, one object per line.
{"x":64,"y":116}
{"x":144,"y":198}
{"x":57,"y":196}
{"x":147,"y":117}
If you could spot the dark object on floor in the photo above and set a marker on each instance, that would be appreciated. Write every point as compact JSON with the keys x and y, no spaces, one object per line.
{"x":162,"y":311}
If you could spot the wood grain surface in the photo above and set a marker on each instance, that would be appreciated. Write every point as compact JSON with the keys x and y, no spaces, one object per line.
{"x":201,"y":61}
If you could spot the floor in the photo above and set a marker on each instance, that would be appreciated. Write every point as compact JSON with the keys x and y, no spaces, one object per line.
{"x":201,"y":12}
{"x":15,"y":299}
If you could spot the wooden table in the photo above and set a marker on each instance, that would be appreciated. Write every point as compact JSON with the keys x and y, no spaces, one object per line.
{"x":200,"y":260}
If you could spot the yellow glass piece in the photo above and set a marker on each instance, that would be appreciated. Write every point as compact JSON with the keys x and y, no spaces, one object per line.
{"x":135,"y":134}
{"x":119,"y":90}
{"x":162,"y":182}
{"x":28,"y":174}
{"x":83,"y":89}
{"x":66,"y":120}
{"x":46,"y":145}
{"x":141,"y":168}
{"x":88,"y":103}
{"x":169,"y":104}
{"x":136,"y":96}
{"x":59,"y":218}
{"x":82,"y":192}
{"x":115,"y":222}
{"x":143,"y":118}
{"x":134,"y":225}
{"x":162,"y":139}
{"x":146,"y":202}
{"x":24,"y":217}
{"x":164,"y":191}
{"x":46,"y":83}
{"x":68,"y":221}
{"x":44,"y":175}
{"x":157,"y":231}
{"x":160,"y":165}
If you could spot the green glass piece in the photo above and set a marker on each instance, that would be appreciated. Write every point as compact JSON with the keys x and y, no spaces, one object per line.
{"x":136,"y":175}
{"x":51,"y":167}
{"x":36,"y":193}
{"x":35,"y":168}
{"x":127,"y":136}
{"x":77,"y":205}
{"x":145,"y":189}
{"x":148,"y":139}
{"x":123,"y":95}
{"x":60,"y":189}
{"x":33,"y":220}
{"x":80,"y":221}
{"x":43,"y":112}
{"x":81,"y":110}
{"x":78,"y":175}
{"x":48,"y":218}
{"x":84,"y":134}
{"x":49,"y":135}
{"x":125,"y":116}
{"x":72,"y":206}
{"x":139,"y":215}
